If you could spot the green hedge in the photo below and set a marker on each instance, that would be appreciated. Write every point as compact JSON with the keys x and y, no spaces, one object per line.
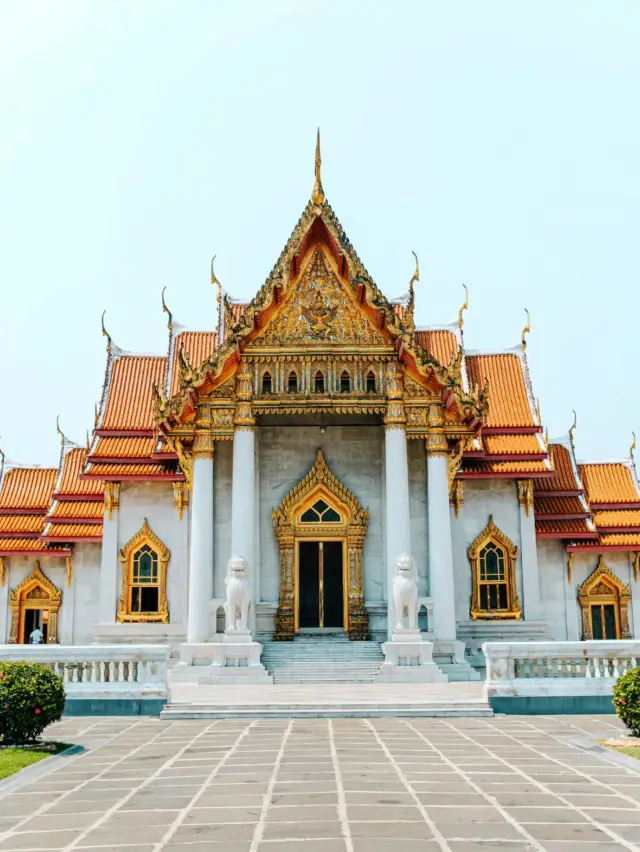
{"x":31,"y":698}
{"x":626,"y":700}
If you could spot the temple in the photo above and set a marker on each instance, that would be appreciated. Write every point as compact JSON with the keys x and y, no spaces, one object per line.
{"x":314,"y":436}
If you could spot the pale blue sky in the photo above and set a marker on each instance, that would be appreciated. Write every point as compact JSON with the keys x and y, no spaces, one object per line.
{"x":499,"y":140}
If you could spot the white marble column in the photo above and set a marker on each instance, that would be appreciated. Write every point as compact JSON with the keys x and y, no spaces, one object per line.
{"x":243,"y":498}
{"x":397,"y":505}
{"x":441,"y":582}
{"x":528,"y":552}
{"x":201,"y":554}
{"x":109,"y":554}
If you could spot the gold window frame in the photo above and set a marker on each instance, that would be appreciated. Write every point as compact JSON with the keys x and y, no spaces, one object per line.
{"x":600,"y":588}
{"x":492,"y":535}
{"x":145,"y":535}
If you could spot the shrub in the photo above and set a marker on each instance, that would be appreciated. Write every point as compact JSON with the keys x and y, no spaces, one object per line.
{"x":626,"y":700}
{"x":31,"y":698}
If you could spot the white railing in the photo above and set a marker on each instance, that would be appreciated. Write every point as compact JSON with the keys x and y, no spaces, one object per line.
{"x":101,"y":671}
{"x":557,"y":668}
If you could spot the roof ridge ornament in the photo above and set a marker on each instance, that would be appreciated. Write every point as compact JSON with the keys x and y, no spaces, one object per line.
{"x":464,"y":307}
{"x":573,"y":429}
{"x":63,"y":437}
{"x":632,"y":449}
{"x":166,"y":310}
{"x":526,"y":330}
{"x":105,"y":332}
{"x":415,"y":277}
{"x":317,"y":195}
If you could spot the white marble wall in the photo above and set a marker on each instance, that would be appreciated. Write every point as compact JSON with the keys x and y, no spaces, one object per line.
{"x":418,"y":503}
{"x":555,"y":593}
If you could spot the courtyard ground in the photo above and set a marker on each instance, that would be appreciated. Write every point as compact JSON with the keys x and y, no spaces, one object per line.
{"x":502,"y":784}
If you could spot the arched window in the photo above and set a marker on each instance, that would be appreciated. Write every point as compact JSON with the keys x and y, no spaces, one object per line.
{"x":266,"y":383}
{"x":320,"y":513}
{"x":371,"y":382}
{"x":144,"y":578}
{"x":318,"y":382}
{"x":604,"y":600}
{"x":493,"y":557}
{"x":292,"y":384}
{"x":345,"y":382}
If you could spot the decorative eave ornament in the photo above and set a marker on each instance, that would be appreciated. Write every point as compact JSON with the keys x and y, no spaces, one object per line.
{"x":526,"y":330}
{"x":317,"y":195}
{"x":464,"y":307}
{"x":166,"y":310}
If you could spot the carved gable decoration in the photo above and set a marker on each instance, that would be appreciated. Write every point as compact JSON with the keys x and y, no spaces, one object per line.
{"x":320,"y":311}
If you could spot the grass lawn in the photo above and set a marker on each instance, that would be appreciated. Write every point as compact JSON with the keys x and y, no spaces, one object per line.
{"x":14,"y":759}
{"x":632,"y":751}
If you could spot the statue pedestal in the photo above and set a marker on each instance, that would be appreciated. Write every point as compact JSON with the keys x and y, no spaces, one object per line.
{"x":236,"y":660}
{"x":408,"y":658}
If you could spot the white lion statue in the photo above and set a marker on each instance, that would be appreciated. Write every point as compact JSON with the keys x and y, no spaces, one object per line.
{"x":405,"y":592}
{"x":236,"y":608}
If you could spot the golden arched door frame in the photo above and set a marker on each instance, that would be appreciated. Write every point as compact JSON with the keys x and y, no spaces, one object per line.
{"x":35,"y":592}
{"x":602,"y":588}
{"x":321,"y":484}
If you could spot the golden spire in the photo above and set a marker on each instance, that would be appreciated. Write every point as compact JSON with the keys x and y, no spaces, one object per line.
{"x":464,"y":306}
{"x":166,"y":309}
{"x":573,"y":428}
{"x":632,"y":449}
{"x":317,"y":196}
{"x":416,"y":277}
{"x":526,"y":330}
{"x":215,"y":281}
{"x":106,"y":333}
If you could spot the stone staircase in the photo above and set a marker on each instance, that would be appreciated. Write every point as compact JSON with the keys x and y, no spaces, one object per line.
{"x":322,"y":658}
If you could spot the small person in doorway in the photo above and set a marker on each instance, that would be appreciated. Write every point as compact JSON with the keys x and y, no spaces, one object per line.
{"x":36,"y":636}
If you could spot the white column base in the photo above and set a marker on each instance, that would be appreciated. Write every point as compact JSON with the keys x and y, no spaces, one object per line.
{"x":409,"y":659}
{"x":235,"y":659}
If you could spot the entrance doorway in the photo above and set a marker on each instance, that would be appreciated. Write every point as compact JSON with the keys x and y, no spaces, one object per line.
{"x":604,"y":621}
{"x":320,"y":598}
{"x":35,"y":618}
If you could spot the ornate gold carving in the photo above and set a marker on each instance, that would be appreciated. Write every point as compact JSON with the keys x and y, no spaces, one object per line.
{"x":570,"y":569}
{"x":67,"y":562}
{"x":456,"y":495}
{"x":320,"y":483}
{"x":180,"y":497}
{"x":243,"y":418}
{"x":464,"y":307}
{"x":111,"y":498}
{"x":185,"y":459}
{"x":525,"y":494}
{"x":395,"y":417}
{"x":526,"y":330}
{"x":636,"y":567}
{"x":203,"y":444}
{"x":493,"y":538}
{"x":436,"y":440}
{"x":454,"y":461}
{"x":144,"y":536}
{"x":600,"y":588}
{"x":320,"y":310}
{"x":317,"y":195}
{"x":35,"y":592}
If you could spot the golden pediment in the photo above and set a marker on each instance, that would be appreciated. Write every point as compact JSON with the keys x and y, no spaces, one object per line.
{"x":319,"y":311}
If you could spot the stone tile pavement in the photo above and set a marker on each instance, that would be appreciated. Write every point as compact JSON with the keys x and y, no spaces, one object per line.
{"x":502,"y":784}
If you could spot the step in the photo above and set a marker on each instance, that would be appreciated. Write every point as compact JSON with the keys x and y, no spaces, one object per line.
{"x":328,"y":711}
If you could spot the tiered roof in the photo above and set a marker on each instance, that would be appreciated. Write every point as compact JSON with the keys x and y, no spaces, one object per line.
{"x":25,"y":497}
{"x":614,"y":496}
{"x":75,"y":513}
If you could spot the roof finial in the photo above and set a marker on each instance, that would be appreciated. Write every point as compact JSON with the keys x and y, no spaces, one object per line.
{"x":215,"y":281}
{"x":106,"y":333}
{"x":573,"y":428}
{"x":526,"y":330}
{"x":464,"y":306}
{"x":96,"y":414}
{"x":88,"y":441}
{"x":166,"y":309}
{"x":416,"y":277}
{"x":632,"y":449}
{"x":317,"y":196}
{"x":59,"y":430}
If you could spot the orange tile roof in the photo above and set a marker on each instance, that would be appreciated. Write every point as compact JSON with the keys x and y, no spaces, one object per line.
{"x":621,"y":518}
{"x":22,"y":545}
{"x":124,"y":448}
{"x":512,"y":445}
{"x":564,"y":478}
{"x":197,"y":346}
{"x":125,"y":470}
{"x":441,"y":344}
{"x":68,"y":532}
{"x":609,"y":483}
{"x":28,"y":488}
{"x":70,"y":482}
{"x":572,"y":528}
{"x":20,"y":524}
{"x":238,"y":309}
{"x":77,"y":509}
{"x":520,"y":467}
{"x":616,"y":541}
{"x":558,"y":505}
{"x":129,"y":400}
{"x":508,"y":401}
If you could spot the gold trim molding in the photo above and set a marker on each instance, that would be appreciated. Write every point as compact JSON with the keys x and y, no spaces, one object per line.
{"x":145,"y":535}
{"x":35,"y":592}
{"x":111,"y":498}
{"x":491,"y":534}
{"x":603,"y":587}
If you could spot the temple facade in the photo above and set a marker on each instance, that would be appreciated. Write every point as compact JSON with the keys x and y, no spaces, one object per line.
{"x":318,"y":433}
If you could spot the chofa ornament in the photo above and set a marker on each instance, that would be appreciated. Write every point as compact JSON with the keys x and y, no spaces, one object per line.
{"x":405,"y":592}
{"x":238,"y":594}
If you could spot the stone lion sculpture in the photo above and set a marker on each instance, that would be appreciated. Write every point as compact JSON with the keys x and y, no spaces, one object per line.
{"x":405,"y":592}
{"x":236,"y":608}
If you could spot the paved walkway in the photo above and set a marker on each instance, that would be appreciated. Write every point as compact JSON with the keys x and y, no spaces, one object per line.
{"x":503,"y":784}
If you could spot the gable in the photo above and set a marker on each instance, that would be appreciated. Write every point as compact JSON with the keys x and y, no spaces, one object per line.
{"x":319,"y":310}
